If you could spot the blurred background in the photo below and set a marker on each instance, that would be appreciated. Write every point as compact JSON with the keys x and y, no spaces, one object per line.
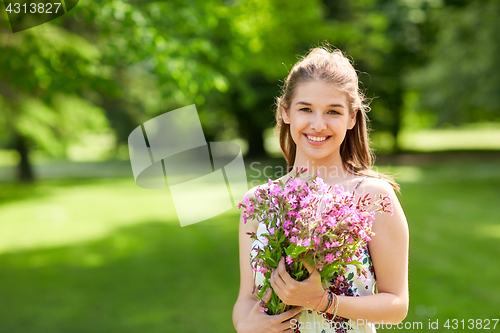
{"x":83,"y":249}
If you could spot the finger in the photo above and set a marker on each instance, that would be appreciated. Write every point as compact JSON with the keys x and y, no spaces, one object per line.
{"x":288,"y":326}
{"x":278,"y":289}
{"x":312,"y":270}
{"x":292,"y":323}
{"x":277,"y":276}
{"x":309,"y":268}
{"x":283,"y":274}
{"x":266,"y":297}
{"x":290,"y":314}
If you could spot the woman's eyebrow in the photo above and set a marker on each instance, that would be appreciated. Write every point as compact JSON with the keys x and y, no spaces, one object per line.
{"x":332,"y":105}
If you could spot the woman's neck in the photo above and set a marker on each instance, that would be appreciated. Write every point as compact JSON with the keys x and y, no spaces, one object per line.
{"x":331,"y":170}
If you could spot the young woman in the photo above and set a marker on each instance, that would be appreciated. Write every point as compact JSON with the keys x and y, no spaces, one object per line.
{"x":322,"y":124}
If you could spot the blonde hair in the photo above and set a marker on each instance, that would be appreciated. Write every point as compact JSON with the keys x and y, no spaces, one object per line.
{"x":330,"y":65}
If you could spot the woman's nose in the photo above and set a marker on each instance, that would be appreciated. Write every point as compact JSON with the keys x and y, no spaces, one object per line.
{"x":318,"y":123}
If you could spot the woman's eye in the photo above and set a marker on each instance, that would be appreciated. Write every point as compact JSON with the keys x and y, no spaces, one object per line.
{"x":309,"y":110}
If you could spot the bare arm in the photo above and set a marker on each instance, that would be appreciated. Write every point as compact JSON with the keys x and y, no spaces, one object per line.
{"x":246,"y":300}
{"x":247,"y":316}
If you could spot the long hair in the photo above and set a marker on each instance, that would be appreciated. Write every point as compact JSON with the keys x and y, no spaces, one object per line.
{"x":331,"y":65}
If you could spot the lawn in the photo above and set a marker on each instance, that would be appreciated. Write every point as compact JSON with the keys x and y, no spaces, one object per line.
{"x":103,"y":255}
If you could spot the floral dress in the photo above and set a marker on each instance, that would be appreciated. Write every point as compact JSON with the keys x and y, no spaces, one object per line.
{"x":348,"y":285}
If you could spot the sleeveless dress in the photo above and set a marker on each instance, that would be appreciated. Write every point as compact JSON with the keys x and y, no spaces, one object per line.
{"x":348,"y":285}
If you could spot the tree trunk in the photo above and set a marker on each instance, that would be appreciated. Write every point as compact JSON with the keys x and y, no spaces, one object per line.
{"x":24,"y":168}
{"x":255,"y":143}
{"x":397,"y":119}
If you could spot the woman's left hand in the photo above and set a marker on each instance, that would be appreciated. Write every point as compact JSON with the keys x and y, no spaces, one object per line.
{"x":293,"y":292}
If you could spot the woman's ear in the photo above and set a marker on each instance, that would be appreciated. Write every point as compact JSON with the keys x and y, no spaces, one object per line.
{"x":352,"y":119}
{"x":285,"y":116}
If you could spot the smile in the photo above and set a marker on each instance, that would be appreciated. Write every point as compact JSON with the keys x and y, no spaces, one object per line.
{"x":317,"y":139}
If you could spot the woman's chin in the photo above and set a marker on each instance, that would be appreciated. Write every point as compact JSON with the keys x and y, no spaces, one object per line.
{"x":317,"y":156}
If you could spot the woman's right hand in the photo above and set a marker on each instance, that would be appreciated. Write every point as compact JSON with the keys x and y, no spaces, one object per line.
{"x":260,"y":322}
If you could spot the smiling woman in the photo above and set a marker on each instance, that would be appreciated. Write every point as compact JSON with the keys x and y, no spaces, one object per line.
{"x":322,"y":124}
{"x":319,"y":121}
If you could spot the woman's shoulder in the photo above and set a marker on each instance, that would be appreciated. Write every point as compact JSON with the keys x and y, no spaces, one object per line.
{"x":375,"y":186}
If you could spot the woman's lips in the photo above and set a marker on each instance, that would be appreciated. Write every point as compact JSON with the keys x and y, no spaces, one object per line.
{"x":317,"y":143}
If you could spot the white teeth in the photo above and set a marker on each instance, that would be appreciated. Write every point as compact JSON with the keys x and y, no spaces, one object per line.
{"x":316,"y":138}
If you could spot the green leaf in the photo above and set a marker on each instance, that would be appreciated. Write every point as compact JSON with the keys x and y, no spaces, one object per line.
{"x":282,"y":238}
{"x":328,"y":271}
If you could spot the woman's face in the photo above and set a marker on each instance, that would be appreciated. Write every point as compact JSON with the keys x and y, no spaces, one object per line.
{"x":319,"y":119}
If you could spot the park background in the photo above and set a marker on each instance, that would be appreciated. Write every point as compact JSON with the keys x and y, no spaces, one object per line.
{"x":83,"y":249}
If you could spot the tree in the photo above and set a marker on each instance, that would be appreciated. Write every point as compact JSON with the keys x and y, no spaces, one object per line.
{"x":42,"y":76}
{"x":125,"y":62}
{"x":460,"y":82}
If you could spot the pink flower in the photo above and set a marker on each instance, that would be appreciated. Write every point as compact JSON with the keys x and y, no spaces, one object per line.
{"x":263,"y":310}
{"x":289,"y":260}
{"x":306,"y":242}
{"x":276,"y":190}
{"x":329,"y":258}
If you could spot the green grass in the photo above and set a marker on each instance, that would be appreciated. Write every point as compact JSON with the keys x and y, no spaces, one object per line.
{"x":107,"y":256}
{"x":103,"y":255}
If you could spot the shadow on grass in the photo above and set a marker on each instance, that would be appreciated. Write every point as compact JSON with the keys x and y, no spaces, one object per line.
{"x":148,"y":278}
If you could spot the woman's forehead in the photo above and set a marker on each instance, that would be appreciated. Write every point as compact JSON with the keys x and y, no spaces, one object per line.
{"x":319,"y":93}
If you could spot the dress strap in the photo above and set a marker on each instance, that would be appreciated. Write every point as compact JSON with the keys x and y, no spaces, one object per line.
{"x":359,"y":183}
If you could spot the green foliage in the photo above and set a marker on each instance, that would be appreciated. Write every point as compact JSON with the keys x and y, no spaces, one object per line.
{"x":131,"y":61}
{"x":460,"y":82}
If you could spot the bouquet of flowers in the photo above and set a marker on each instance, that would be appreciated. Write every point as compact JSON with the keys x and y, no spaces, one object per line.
{"x":309,"y":221}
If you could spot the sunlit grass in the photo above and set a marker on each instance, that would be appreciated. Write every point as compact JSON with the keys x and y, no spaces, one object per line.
{"x":470,"y":137}
{"x":64,"y":212}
